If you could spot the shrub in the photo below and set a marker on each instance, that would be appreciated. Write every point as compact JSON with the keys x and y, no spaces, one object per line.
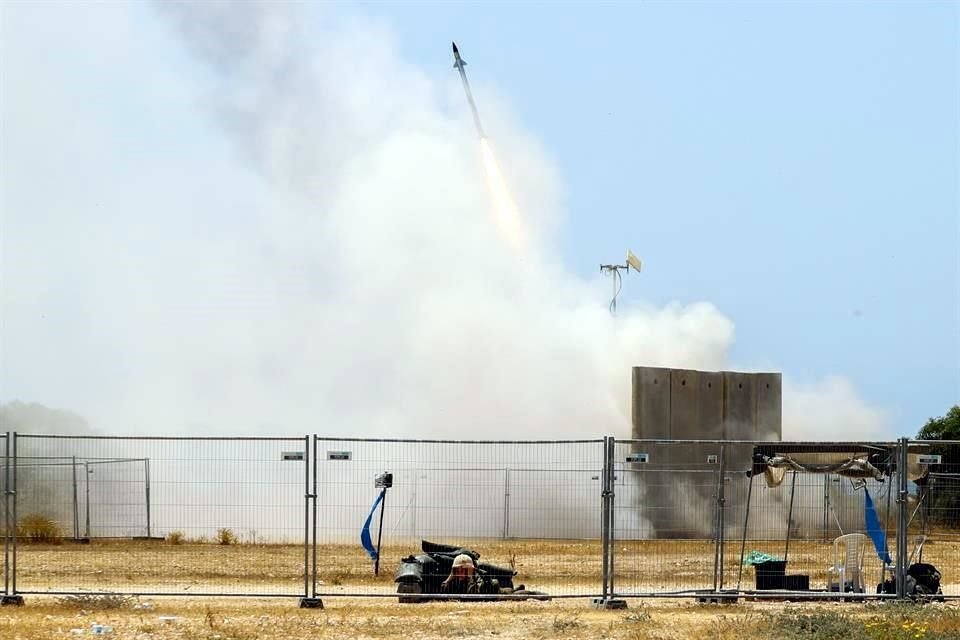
{"x":98,"y":602}
{"x":226,"y":536}
{"x":894,"y":622}
{"x":639,"y":615}
{"x":39,"y":528}
{"x":175,"y":537}
{"x":565,"y":623}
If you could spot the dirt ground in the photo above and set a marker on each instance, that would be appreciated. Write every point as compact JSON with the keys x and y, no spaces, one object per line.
{"x":241,"y":619}
{"x":344,"y":572}
{"x":557,"y":566}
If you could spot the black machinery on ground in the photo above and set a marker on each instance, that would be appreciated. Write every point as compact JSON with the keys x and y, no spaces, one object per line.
{"x":423,"y":574}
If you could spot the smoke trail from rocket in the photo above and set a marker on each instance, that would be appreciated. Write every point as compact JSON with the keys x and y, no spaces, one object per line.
{"x":506,"y":215}
{"x":505,"y":212}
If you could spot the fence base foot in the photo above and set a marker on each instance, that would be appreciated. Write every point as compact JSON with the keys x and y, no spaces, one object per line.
{"x":11,"y":600}
{"x":311,"y":603}
{"x":718,"y":598}
{"x":609,"y":603}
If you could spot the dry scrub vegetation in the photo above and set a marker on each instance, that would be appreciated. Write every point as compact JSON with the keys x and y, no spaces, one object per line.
{"x":176,"y":565}
{"x":222,"y":619}
{"x":183,"y":567}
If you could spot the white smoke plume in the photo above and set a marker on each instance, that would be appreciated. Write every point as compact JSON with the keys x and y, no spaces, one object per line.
{"x":830,"y":409}
{"x":36,"y":418}
{"x":347,"y":278}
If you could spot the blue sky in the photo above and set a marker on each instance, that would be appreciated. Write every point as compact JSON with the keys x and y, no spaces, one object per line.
{"x":192,"y":197}
{"x":794,"y":163}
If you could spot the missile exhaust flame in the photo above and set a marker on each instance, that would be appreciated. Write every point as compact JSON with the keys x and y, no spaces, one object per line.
{"x":506,"y":215}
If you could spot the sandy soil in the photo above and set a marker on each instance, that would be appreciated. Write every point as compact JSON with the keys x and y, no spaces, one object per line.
{"x":561,"y":567}
{"x":242,"y":619}
{"x":555,"y":566}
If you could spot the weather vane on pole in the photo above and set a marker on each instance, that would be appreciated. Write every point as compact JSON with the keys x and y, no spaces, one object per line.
{"x":614,"y":271}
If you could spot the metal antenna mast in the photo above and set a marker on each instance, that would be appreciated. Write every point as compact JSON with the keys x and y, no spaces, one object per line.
{"x":614,"y":271}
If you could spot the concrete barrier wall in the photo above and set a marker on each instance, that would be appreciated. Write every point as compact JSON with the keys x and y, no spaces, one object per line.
{"x":711,"y":405}
{"x":685,"y":404}
{"x":651,"y":400}
{"x":769,"y":405}
{"x":739,"y":406}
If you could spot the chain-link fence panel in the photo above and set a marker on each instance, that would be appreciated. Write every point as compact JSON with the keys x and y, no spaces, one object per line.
{"x":665,"y":521}
{"x":161,"y":515}
{"x":698,"y":517}
{"x":82,"y":498}
{"x":323,"y":516}
{"x":933,"y":533}
{"x":819,"y":519}
{"x":8,"y":524}
{"x":530,"y":509}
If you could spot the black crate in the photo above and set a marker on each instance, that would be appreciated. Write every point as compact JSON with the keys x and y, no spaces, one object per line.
{"x":770,"y":574}
{"x":796,"y":583}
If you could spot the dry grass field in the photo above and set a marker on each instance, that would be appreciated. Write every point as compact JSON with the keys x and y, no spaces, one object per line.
{"x":557,"y":567}
{"x":248,"y":619}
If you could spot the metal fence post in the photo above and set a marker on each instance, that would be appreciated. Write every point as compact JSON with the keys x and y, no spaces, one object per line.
{"x":310,"y":599}
{"x":86,"y":481}
{"x":13,"y":525}
{"x":611,"y":513}
{"x":506,"y":503}
{"x":313,"y":501}
{"x":306,"y":516}
{"x":902,"y":519}
{"x":6,"y":515}
{"x":746,"y":521}
{"x":10,"y":526}
{"x":146,"y":483}
{"x":76,"y":500}
{"x":793,"y":493}
{"x":718,"y":552}
{"x":10,"y":522}
{"x":607,"y":521}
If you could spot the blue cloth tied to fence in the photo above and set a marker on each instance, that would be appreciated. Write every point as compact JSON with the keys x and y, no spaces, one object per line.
{"x":874,"y":530}
{"x":365,"y":531}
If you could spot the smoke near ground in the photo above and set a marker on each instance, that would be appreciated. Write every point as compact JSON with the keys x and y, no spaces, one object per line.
{"x":25,"y":417}
{"x":296,"y":236}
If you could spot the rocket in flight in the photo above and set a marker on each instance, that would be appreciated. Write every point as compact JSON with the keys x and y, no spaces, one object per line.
{"x":459,"y":64}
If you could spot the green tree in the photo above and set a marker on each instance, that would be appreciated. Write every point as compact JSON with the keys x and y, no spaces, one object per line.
{"x":946,"y":427}
{"x":942,"y":488}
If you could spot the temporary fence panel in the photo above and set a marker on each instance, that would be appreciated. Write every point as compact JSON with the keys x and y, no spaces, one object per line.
{"x":665,"y":516}
{"x":810,"y":526}
{"x":934,"y":511}
{"x":531,"y":505}
{"x":162,"y":515}
{"x":284,"y":516}
{"x":9,"y":528}
{"x":534,"y":497}
{"x":791,"y":537}
{"x":693,"y":516}
{"x":82,"y":497}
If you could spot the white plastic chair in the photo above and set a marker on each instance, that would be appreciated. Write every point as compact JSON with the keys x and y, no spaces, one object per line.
{"x":848,"y":554}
